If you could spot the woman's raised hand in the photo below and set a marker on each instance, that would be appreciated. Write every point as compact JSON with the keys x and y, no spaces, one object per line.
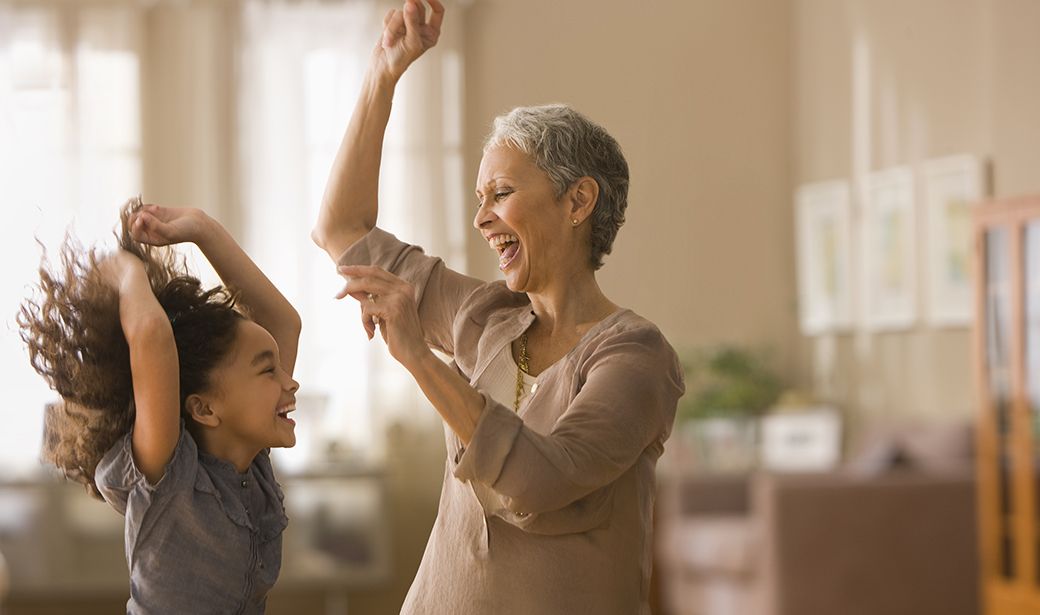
{"x":389,"y":302}
{"x":160,"y":226}
{"x":407,"y":34}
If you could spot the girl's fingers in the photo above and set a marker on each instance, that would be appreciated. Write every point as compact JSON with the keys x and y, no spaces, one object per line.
{"x":386,"y":18}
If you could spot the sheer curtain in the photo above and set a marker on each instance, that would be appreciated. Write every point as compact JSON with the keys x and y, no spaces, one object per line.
{"x":70,"y":149}
{"x":300,"y":67}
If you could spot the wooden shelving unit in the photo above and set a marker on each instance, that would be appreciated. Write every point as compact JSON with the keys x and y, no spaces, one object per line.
{"x":1007,"y":367}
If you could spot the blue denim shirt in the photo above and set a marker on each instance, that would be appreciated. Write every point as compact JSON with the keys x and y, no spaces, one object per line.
{"x":204,"y":538}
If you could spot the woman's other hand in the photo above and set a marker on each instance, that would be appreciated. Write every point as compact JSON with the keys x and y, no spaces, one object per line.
{"x":159,"y":226}
{"x":388,"y":302}
{"x":407,"y":35}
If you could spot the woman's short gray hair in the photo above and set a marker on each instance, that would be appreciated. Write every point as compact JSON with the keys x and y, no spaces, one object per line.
{"x":568,"y":146}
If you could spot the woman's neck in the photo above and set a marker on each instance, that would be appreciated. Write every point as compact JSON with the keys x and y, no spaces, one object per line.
{"x":570,"y":306}
{"x":563,"y":315}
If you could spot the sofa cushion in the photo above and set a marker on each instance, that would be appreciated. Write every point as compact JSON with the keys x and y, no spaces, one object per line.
{"x":926,"y":447}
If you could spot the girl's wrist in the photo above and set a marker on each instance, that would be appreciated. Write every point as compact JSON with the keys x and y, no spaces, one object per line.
{"x":206,"y":230}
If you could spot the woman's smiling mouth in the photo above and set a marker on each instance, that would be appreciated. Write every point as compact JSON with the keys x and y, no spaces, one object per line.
{"x":507,"y":246}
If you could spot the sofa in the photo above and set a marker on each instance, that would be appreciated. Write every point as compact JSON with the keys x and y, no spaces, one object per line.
{"x":891,"y":532}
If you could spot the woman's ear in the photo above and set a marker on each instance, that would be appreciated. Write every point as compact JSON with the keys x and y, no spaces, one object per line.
{"x":200,"y":411}
{"x":584,"y":194}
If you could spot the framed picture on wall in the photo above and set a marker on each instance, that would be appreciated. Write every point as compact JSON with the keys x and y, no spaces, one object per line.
{"x":888,"y":250}
{"x":951,"y":187}
{"x":824,"y":241}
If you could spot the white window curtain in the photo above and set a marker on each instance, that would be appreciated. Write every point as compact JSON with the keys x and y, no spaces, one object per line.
{"x":70,"y":149}
{"x":301,"y":66}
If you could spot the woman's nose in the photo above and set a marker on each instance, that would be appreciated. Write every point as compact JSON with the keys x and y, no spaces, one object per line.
{"x":482,"y":217}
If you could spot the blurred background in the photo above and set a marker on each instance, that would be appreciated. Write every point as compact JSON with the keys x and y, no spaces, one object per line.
{"x":788,"y":160}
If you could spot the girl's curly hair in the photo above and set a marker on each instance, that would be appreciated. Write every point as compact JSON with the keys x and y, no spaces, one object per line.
{"x":76,"y":342}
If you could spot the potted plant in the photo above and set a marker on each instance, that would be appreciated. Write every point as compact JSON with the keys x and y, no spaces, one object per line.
{"x":727,"y":388}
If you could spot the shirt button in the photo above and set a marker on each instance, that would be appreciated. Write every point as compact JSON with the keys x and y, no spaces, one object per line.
{"x":534,"y":387}
{"x":245,"y":483}
{"x":261,"y":565}
{"x":521,"y":515}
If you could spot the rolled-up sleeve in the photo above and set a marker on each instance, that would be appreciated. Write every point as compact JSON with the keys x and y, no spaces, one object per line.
{"x":626,"y":402}
{"x":439,"y":291}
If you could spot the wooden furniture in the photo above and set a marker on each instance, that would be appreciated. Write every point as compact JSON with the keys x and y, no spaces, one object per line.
{"x":1007,"y":368}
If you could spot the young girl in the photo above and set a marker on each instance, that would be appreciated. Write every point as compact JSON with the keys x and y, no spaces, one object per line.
{"x":172,"y":397}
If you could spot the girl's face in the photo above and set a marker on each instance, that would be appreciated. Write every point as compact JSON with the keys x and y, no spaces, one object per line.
{"x":522,"y":219}
{"x":252,"y":394}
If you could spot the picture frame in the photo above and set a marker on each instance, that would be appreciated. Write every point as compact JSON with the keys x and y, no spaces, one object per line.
{"x":824,"y":254}
{"x":951,"y":188}
{"x":888,"y":233}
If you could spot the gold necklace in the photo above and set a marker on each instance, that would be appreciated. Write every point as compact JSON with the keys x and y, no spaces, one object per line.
{"x":522,"y":367}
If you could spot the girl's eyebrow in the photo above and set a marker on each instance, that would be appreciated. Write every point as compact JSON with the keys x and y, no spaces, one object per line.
{"x":262,"y":356}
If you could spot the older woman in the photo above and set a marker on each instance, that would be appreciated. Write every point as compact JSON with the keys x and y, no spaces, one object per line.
{"x":558,"y":401}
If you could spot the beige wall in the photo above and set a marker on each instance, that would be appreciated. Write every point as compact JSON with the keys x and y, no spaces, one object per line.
{"x":932,"y":78}
{"x":698,"y":94}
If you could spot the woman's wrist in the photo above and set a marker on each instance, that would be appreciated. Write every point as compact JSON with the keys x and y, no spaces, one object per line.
{"x":421,"y":363}
{"x":380,"y":81}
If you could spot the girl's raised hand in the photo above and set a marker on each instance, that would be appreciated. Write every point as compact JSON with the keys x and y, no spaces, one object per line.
{"x":160,"y":226}
{"x":407,"y":34}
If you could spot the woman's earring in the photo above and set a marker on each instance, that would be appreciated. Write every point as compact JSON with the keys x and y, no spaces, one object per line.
{"x":574,"y":221}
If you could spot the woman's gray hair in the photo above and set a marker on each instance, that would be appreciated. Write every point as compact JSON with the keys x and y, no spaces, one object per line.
{"x":568,"y":146}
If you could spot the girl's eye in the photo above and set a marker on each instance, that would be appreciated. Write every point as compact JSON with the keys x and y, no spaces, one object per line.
{"x":269,"y":370}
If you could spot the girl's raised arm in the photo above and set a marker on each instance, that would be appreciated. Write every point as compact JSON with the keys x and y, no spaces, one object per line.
{"x":153,"y":364}
{"x":158,"y":225}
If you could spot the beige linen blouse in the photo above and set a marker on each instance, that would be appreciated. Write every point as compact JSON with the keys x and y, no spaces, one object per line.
{"x":550,"y":510}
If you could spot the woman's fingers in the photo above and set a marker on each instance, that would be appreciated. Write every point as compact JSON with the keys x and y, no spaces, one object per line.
{"x":384,"y":298}
{"x":413,"y":21}
{"x":368,"y":272}
{"x":436,"y":15}
{"x":366,"y":289}
{"x":394,"y":30}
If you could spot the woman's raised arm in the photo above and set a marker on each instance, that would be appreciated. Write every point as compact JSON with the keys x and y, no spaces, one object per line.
{"x":350,"y":204}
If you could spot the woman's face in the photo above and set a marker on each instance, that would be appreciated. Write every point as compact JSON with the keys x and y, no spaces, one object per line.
{"x":252,"y":394}
{"x":522,"y":220}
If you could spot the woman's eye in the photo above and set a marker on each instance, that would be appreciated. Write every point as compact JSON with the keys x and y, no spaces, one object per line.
{"x":269,"y":370}
{"x":501,"y":195}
